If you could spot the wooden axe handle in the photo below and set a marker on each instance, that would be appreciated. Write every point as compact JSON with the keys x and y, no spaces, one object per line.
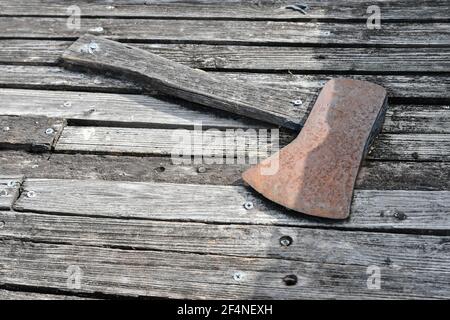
{"x":262,"y":103}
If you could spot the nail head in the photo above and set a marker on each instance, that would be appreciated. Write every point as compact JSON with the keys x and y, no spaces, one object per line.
{"x":13,"y":184}
{"x":237,"y":276}
{"x":285,"y":241}
{"x":297,"y":102}
{"x":201,"y":169}
{"x":248,"y":205}
{"x":31,"y":194}
{"x":49,"y":131}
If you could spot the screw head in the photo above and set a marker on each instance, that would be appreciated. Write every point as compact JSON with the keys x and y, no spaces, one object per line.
{"x":31,"y":194}
{"x":297,"y":102}
{"x":237,"y":276}
{"x":290,"y":280}
{"x":3,"y":193}
{"x":13,"y":184}
{"x":67,"y":104}
{"x":49,"y":131}
{"x":248,"y":205}
{"x":285,"y":241}
{"x":400,"y":215}
{"x":201,"y":169}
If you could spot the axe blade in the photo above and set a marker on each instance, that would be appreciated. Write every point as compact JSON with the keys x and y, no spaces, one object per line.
{"x":315,"y":174}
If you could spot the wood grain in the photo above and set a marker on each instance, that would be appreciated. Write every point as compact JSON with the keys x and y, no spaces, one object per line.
{"x":381,"y":175}
{"x":371,"y":209}
{"x":131,"y":110}
{"x":128,"y":110}
{"x":256,"y":58}
{"x":418,"y":147}
{"x":218,"y":144}
{"x":29,"y":133}
{"x":404,"y":34}
{"x":24,"y":295}
{"x":183,"y":275}
{"x":326,"y":246}
{"x":174,"y":79}
{"x":9,"y":190}
{"x":415,"y":88}
{"x":234,"y":9}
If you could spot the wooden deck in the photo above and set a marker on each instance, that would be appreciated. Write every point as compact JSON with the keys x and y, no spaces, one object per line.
{"x":95,"y":208}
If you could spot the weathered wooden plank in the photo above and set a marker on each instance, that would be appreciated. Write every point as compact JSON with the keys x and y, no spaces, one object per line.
{"x":261,"y":58}
{"x":234,"y":9}
{"x":30,"y":133}
{"x":181,"y":275}
{"x":325,"y":246}
{"x":169,"y":77}
{"x":237,"y":32}
{"x":383,"y":209}
{"x":398,"y":86}
{"x":417,"y":119}
{"x":145,"y":111}
{"x":167,"y":142}
{"x":118,"y":109}
{"x":392,"y":175}
{"x":56,"y":78}
{"x":23,"y":295}
{"x":106,"y":167}
{"x":419,"y":147}
{"x":9,"y":190}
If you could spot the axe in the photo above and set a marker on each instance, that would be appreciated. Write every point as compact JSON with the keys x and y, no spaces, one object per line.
{"x":315,"y":174}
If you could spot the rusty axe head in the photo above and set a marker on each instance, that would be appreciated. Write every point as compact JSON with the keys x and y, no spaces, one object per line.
{"x":315,"y":174}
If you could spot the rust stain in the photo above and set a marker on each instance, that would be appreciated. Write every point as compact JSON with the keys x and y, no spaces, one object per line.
{"x":317,"y":171}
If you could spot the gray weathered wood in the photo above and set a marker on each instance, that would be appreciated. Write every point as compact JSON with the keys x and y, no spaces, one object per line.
{"x":392,"y":175}
{"x":398,"y":86}
{"x":23,"y":295}
{"x":419,"y":147}
{"x":9,"y":189}
{"x":144,"y":111}
{"x":232,"y":32}
{"x":29,"y":133}
{"x":118,"y":109}
{"x":261,"y":58}
{"x":194,"y":276}
{"x":383,"y":209}
{"x":168,"y":142}
{"x":343,"y":249}
{"x":169,"y":77}
{"x":417,"y":119}
{"x":326,"y":246}
{"x":232,"y":9}
{"x":430,"y":147}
